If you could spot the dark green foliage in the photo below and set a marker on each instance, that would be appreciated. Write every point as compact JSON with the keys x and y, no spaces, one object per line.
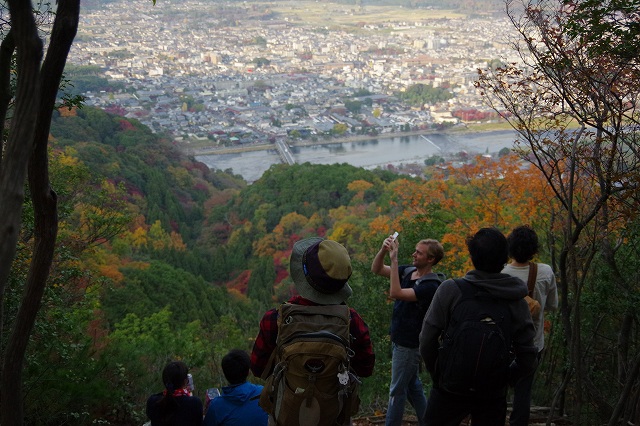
{"x":189,"y":298}
{"x":263,"y":276}
{"x":83,"y":79}
{"x":420,"y":94}
{"x":197,"y":261}
{"x":607,"y":27}
{"x":260,"y":62}
{"x":303,"y":188}
{"x":61,"y":375}
{"x":362,"y":92}
{"x":434,"y":160}
{"x":353,"y":106}
{"x":504,"y":151}
{"x":370,"y":300}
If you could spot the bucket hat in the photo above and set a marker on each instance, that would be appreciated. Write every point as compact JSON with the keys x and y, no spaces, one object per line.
{"x":320,"y":270}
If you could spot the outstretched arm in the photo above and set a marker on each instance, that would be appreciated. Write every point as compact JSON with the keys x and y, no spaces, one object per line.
{"x":395,"y":290}
{"x":377,"y":266}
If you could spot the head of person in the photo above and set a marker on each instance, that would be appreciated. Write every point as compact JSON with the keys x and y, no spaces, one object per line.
{"x":523,"y":243}
{"x":430,"y":249}
{"x":320,"y":270}
{"x":235,"y":366}
{"x":174,"y":376}
{"x":488,"y":249}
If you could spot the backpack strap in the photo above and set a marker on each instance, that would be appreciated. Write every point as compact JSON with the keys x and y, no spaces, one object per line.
{"x":533,"y":273}
{"x":467,"y":289}
{"x":407,"y":271}
{"x":267,"y":369}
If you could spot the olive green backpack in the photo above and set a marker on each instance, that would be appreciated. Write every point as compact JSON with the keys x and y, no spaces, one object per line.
{"x":311,"y":383}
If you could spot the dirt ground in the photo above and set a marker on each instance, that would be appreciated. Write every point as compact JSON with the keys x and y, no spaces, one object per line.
{"x":538,"y":418}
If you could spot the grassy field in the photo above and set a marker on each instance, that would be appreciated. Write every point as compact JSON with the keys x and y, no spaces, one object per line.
{"x":342,"y":15}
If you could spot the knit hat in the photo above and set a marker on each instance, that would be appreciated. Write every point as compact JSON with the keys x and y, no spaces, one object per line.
{"x":320,"y":270}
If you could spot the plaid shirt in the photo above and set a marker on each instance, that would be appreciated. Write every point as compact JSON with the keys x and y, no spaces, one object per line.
{"x":362,"y":362}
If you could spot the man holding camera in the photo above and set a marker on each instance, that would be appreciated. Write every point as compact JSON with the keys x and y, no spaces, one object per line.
{"x":412,"y":287}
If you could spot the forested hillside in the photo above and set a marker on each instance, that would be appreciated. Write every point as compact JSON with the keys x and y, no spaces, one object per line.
{"x":160,"y":258}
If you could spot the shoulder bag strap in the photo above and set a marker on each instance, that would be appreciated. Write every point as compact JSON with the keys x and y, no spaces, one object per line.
{"x":533,"y":273}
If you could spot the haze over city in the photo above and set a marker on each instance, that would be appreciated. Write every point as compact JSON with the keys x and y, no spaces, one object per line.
{"x":216,"y":74}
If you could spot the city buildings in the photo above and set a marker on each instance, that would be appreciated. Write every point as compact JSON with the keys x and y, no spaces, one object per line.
{"x":234,"y":73}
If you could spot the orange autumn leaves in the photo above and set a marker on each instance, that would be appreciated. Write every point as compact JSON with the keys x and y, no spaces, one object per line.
{"x":503,"y":192}
{"x":500,"y":192}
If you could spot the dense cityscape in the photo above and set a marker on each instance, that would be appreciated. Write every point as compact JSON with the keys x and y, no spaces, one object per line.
{"x":241,"y":73}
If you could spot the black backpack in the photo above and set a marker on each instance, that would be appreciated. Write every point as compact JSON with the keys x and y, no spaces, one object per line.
{"x":475,"y":353}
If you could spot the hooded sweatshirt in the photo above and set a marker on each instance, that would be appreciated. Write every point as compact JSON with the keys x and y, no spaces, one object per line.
{"x":502,"y":286}
{"x":237,"y":406}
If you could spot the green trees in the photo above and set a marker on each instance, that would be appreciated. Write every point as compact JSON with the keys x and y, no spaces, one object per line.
{"x":353,"y":106}
{"x":138,"y":295}
{"x":421,"y":94}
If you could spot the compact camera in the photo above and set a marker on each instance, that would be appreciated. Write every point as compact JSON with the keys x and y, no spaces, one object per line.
{"x":190,"y":380}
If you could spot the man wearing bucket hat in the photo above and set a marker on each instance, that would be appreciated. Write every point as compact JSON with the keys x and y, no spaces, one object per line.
{"x":320,"y":270}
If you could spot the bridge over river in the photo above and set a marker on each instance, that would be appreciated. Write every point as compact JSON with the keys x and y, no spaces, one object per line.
{"x":285,"y":152}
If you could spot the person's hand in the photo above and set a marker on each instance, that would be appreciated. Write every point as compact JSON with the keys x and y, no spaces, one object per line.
{"x":393,"y":249}
{"x":387,"y":243}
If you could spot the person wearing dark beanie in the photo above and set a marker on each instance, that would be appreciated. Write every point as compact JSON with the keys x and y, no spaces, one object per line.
{"x":238,"y":403}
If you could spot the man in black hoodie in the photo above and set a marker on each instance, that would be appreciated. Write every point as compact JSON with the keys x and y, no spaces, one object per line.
{"x":505,"y":295}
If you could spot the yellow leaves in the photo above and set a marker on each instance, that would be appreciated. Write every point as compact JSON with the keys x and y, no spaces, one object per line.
{"x":292,"y":227}
{"x":341,"y":232}
{"x":359,"y":185}
{"x":139,"y":238}
{"x":181,"y":175}
{"x":67,"y":160}
{"x":292,"y":222}
{"x":265,"y":246}
{"x":158,"y":237}
{"x":154,"y":237}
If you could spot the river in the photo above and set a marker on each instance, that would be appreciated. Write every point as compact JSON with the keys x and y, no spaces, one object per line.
{"x":368,"y":154}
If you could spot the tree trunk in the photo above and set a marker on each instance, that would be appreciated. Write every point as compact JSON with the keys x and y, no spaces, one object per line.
{"x":20,"y":142}
{"x":45,"y":211}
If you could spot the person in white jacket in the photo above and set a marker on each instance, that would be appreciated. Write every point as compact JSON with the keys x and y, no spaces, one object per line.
{"x":523,"y":246}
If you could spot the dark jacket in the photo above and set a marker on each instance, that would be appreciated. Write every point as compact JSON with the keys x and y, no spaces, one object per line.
{"x":499,"y":285}
{"x":407,"y":317}
{"x":187,"y":411}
